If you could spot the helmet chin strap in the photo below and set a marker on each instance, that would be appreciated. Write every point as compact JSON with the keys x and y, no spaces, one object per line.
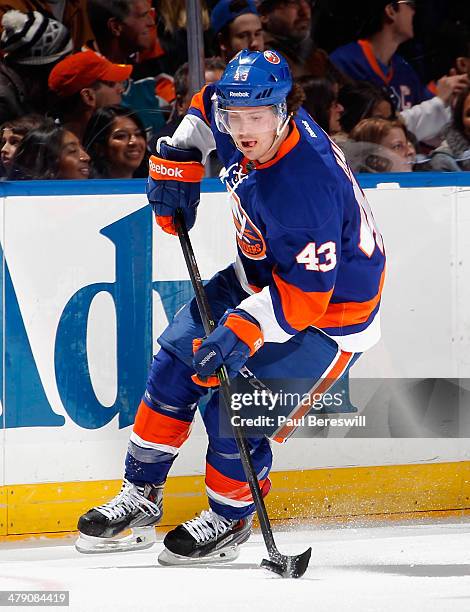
{"x":280,"y":133}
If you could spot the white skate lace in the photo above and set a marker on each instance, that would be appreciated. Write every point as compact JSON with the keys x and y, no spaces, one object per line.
{"x":207,"y":526}
{"x":128,"y":499}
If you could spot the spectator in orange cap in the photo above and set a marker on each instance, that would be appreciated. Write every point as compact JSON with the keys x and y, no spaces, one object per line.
{"x":84,"y":82}
{"x":123,"y":29}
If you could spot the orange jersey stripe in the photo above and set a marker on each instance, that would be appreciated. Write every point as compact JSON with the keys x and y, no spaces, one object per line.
{"x":198,"y":103}
{"x":350,"y":313}
{"x":374,"y":64}
{"x":152,"y":426}
{"x":320,"y":387}
{"x":288,"y":144}
{"x":229,"y":487}
{"x":301,"y":308}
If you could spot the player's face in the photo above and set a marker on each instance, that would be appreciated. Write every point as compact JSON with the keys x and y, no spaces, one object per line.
{"x":403,"y":152}
{"x":74,"y":162}
{"x":9,"y":143}
{"x":245,"y":32}
{"x":125,"y":147}
{"x":253,"y":129}
{"x":466,"y":117}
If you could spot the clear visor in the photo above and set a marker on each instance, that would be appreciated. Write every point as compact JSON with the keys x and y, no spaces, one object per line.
{"x":250,"y":120}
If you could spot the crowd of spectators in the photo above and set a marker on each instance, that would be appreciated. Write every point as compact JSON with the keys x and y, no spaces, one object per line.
{"x":88,"y":86}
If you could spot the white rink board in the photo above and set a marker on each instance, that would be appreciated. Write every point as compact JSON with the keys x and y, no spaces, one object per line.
{"x":53,"y":248}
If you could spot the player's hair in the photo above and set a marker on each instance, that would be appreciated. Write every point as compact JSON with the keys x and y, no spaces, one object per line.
{"x":457,"y":115}
{"x":100,"y":11}
{"x":319,"y":96}
{"x":295,"y":99}
{"x":375,"y":129}
{"x":359,"y":100}
{"x":38,"y":154}
{"x":96,"y":137}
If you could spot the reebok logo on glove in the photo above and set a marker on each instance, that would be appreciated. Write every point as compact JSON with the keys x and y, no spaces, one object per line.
{"x":173,"y":172}
{"x":258,"y":344}
{"x":207,"y":358}
{"x":236,"y":337}
{"x":166,"y":169}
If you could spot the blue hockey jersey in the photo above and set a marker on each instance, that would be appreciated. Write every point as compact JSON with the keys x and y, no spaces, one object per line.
{"x":309,"y":252}
{"x":357,"y":60}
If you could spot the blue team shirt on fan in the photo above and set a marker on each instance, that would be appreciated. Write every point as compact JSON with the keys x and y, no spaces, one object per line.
{"x":357,"y":61}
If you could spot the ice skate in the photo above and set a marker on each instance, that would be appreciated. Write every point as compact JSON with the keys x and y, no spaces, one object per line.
{"x":208,"y":538}
{"x":138,"y":508}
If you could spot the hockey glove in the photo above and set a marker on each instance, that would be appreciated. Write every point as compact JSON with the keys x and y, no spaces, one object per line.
{"x":237,"y":337}
{"x":174,"y":182}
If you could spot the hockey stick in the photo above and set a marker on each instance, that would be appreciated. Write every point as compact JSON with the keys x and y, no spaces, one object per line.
{"x":284,"y":565}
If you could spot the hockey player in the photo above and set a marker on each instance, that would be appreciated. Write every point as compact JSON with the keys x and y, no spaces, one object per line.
{"x":301,"y":301}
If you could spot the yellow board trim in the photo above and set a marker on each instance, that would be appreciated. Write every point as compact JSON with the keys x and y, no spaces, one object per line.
{"x":308,"y":494}
{"x":3,"y":511}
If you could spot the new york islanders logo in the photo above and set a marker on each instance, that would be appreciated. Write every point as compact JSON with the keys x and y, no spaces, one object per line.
{"x":272,"y":57}
{"x":249,"y":238}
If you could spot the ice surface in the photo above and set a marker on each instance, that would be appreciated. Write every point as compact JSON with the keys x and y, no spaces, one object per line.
{"x":392,"y":567}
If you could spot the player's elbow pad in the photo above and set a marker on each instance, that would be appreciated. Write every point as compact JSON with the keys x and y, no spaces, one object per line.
{"x":175,"y":182}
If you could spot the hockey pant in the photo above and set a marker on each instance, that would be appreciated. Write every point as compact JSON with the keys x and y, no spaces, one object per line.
{"x":166,"y":412}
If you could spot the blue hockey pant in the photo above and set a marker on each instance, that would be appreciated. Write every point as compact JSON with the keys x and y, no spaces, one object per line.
{"x":168,"y":407}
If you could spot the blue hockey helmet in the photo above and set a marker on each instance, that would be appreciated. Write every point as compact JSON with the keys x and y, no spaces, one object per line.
{"x":254,"y":78}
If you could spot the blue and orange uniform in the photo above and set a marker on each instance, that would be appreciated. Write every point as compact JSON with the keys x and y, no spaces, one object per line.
{"x":309,"y":271}
{"x":357,"y":61}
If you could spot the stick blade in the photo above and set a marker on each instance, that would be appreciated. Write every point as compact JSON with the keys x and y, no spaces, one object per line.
{"x":288,"y":567}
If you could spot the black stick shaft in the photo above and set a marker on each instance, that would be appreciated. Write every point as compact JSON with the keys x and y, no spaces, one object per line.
{"x":209,"y":325}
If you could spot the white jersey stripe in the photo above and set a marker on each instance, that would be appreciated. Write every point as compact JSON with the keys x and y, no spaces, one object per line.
{"x":164,"y":448}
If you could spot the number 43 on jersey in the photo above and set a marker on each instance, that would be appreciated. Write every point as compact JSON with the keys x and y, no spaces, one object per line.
{"x":310,"y":256}
{"x":323,"y":258}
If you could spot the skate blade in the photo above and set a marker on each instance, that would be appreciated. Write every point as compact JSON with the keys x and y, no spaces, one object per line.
{"x":140,"y":539}
{"x":226,"y":555}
